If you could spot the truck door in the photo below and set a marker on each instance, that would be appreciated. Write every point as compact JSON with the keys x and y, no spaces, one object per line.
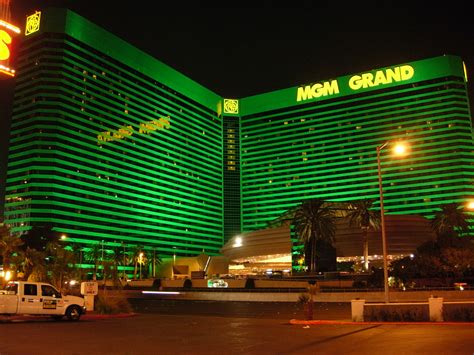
{"x":29,"y":299}
{"x":9,"y":299}
{"x":52,"y":302}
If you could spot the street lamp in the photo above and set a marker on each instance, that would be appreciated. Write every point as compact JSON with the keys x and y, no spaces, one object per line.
{"x":399,"y":149}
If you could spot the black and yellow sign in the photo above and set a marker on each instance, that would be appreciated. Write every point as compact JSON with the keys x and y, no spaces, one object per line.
{"x":49,"y":304}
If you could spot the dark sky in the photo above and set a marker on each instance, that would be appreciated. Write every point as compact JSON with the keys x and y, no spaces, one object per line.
{"x":237,"y":52}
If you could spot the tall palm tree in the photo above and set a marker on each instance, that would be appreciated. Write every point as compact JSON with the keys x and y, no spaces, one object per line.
{"x":61,"y":263}
{"x":93,"y":255}
{"x":361,"y":214}
{"x":451,"y":220}
{"x":154,"y":260}
{"x":9,"y":245}
{"x":314,"y":221}
{"x":34,"y":265}
{"x":140,"y":259}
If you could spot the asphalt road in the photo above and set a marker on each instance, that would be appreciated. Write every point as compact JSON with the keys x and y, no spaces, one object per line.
{"x":198,"y":334}
{"x":209,"y":327}
{"x":273,"y":310}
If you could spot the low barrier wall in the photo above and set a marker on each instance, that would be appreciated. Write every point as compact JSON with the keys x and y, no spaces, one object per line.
{"x":289,"y":295}
{"x":435,"y":310}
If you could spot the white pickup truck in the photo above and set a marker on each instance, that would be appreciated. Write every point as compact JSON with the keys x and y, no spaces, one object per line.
{"x":38,"y":298}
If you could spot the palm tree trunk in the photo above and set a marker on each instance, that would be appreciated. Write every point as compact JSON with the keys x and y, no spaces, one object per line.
{"x":366,"y":251}
{"x":313,"y":256}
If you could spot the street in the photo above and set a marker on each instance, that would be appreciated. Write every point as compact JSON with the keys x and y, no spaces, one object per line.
{"x":154,"y":332}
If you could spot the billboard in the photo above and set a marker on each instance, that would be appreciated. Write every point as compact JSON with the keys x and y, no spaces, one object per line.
{"x":8,"y":33}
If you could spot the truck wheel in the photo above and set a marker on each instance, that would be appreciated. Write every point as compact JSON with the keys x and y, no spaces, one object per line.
{"x":73,"y":313}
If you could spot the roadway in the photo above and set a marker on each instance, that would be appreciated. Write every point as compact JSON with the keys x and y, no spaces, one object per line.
{"x":165,"y":327}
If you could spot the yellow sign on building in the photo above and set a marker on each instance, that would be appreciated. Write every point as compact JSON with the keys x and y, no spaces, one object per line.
{"x":231,"y":106}
{"x":33,"y":23}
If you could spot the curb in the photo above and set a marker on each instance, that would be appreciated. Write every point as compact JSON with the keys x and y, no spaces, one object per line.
{"x":94,"y":316}
{"x":318,"y":322}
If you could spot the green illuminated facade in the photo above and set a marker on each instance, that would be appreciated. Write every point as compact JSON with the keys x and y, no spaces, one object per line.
{"x":109,"y":144}
{"x":326,"y":146}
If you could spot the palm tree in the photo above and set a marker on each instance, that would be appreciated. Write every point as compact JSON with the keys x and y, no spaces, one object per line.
{"x":60,"y":263}
{"x":93,"y":255}
{"x":360,"y":213}
{"x":314,"y":221}
{"x":450,"y":221}
{"x":9,"y":245}
{"x":140,"y":258}
{"x":154,"y":260}
{"x":34,"y":265}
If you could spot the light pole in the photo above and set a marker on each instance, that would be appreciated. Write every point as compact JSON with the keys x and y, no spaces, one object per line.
{"x":399,"y":150}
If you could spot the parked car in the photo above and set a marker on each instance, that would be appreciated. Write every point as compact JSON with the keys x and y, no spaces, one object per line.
{"x":217,"y":283}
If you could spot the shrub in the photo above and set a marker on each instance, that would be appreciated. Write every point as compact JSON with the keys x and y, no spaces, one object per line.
{"x":359,"y":284}
{"x":395,"y":313}
{"x":187,"y":284}
{"x":112,"y":305}
{"x":156,"y":284}
{"x":250,"y":283}
{"x":303,"y":298}
{"x":458,"y":313}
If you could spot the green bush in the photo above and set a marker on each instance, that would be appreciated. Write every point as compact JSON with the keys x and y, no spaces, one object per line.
{"x":458,"y":313}
{"x":111,"y":305}
{"x":187,"y":284}
{"x":250,"y":284}
{"x":396,"y":313}
{"x":156,"y":284}
{"x":303,"y":298}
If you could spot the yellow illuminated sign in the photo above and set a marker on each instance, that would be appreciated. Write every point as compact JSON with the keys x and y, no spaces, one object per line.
{"x":381,"y":77}
{"x":33,"y":23}
{"x":317,"y":90}
{"x":7,"y":31}
{"x":5,"y":41}
{"x":231,"y":106}
{"x":356,"y":82}
{"x":127,"y":131}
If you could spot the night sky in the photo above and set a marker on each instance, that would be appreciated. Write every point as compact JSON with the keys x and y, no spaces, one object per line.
{"x":238,"y":52}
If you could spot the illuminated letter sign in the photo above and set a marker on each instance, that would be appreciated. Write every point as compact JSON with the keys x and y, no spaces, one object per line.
{"x":7,"y":32}
{"x":317,"y":90}
{"x":33,"y":23}
{"x":127,"y":131}
{"x":381,"y":77}
{"x":356,"y":82}
{"x":5,"y":40}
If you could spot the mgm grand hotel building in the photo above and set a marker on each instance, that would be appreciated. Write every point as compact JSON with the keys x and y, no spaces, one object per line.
{"x":110,"y":145}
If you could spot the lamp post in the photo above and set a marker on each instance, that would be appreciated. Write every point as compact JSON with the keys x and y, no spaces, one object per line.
{"x":399,"y":150}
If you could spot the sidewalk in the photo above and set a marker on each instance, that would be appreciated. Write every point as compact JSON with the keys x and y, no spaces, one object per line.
{"x":87,"y":316}
{"x":318,"y":322}
{"x":94,"y":315}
